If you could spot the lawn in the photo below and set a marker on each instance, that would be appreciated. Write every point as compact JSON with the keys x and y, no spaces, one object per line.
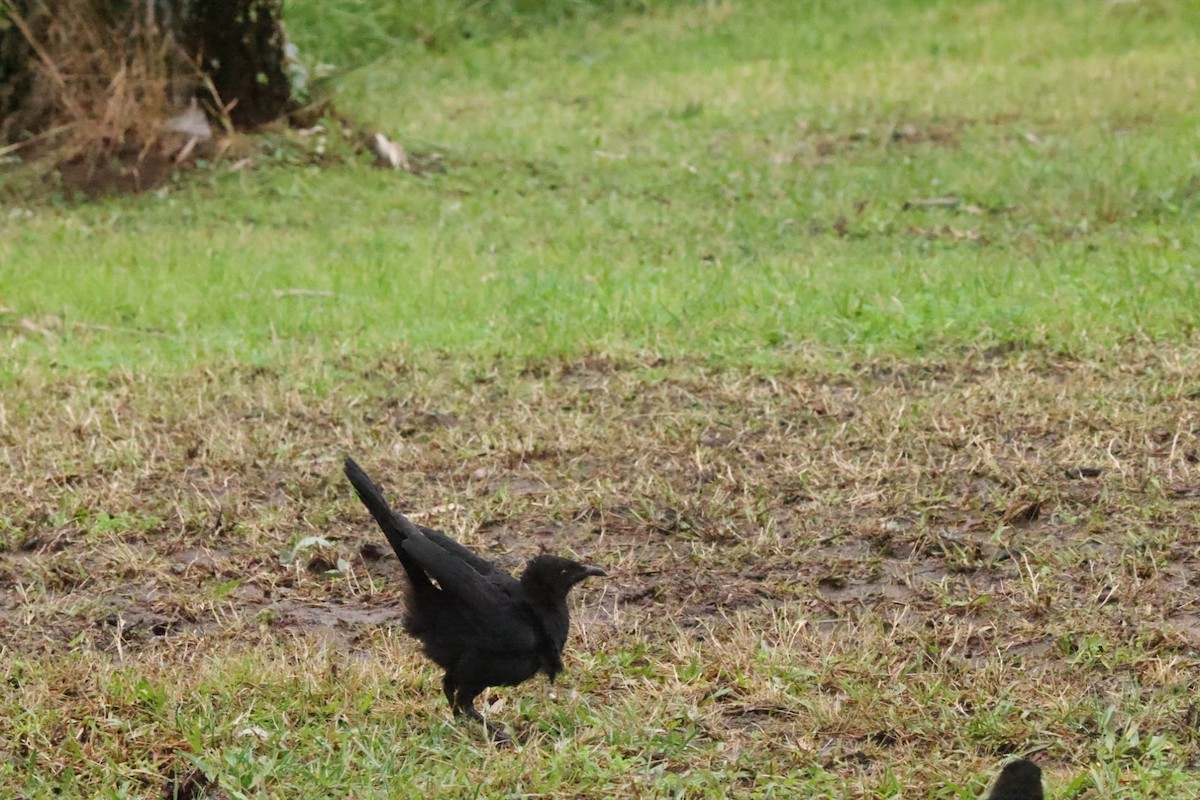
{"x":856,"y":341}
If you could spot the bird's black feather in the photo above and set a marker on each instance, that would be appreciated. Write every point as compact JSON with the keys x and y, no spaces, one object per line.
{"x":481,"y":625}
{"x":1019,"y":780}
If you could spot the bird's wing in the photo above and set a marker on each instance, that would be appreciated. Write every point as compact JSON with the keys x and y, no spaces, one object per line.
{"x":477,"y":562}
{"x":495,"y":603}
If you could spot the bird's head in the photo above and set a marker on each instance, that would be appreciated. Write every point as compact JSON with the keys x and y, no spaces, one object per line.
{"x":552,"y":577}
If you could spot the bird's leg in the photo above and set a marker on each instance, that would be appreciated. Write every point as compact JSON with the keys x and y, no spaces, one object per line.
{"x":501,"y":737}
{"x":460,"y":704}
{"x":464,"y":705}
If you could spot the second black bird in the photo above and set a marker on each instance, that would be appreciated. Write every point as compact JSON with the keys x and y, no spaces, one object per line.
{"x":1019,"y":780}
{"x":481,"y":625}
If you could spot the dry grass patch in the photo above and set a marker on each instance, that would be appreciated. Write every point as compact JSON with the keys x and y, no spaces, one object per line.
{"x":88,"y":89}
{"x":864,"y":581}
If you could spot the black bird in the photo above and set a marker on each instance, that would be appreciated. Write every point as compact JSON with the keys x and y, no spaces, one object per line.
{"x":481,"y":625}
{"x":1019,"y":780}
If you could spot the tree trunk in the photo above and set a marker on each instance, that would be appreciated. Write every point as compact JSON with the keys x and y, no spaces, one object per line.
{"x":239,"y":45}
{"x":114,"y":70}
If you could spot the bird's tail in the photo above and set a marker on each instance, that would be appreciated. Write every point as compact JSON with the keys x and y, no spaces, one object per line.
{"x":396,"y":527}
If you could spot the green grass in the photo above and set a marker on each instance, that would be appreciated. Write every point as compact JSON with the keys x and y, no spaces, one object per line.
{"x":675,"y":299}
{"x":725,"y":178}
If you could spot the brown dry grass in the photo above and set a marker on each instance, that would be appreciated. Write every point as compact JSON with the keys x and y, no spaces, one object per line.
{"x":817,"y":572}
{"x":102,"y":81}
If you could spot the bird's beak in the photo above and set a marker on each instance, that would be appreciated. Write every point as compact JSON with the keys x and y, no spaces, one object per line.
{"x":593,"y":572}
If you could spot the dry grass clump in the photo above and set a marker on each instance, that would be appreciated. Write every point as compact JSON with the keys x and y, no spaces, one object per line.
{"x":87,"y":87}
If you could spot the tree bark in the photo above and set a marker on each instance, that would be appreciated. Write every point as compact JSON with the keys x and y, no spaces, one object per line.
{"x":239,"y":45}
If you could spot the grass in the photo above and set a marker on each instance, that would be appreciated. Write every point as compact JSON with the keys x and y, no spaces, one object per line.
{"x":822,"y":585}
{"x":726,"y":178}
{"x":857,"y":344}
